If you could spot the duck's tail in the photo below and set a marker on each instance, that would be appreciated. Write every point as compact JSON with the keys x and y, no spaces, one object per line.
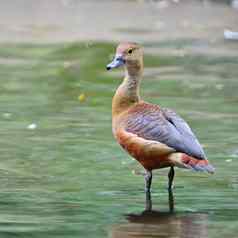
{"x":185,"y":161}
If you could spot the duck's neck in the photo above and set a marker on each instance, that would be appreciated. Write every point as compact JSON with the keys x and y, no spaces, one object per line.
{"x":127,"y":93}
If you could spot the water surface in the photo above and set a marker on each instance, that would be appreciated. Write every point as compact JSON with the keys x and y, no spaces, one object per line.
{"x":62,"y":173}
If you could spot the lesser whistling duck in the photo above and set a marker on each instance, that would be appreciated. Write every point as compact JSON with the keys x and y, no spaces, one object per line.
{"x":154,"y":136}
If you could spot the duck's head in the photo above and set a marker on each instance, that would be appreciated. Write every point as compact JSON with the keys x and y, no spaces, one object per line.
{"x":128,"y":54}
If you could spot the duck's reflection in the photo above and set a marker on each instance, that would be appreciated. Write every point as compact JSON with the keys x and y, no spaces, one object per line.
{"x":161,"y":224}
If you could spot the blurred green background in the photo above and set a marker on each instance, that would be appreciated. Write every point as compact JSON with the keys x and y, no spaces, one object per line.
{"x":62,"y":173}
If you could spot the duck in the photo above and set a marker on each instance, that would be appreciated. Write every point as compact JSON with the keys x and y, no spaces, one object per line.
{"x":156,"y":137}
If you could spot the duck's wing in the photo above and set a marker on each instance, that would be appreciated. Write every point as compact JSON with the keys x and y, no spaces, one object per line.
{"x":165,"y":126}
{"x":191,"y":143}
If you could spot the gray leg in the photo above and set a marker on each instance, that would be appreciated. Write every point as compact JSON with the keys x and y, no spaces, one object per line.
{"x":170,"y":189}
{"x":171,"y":178}
{"x":171,"y":201}
{"x":148,"y":180}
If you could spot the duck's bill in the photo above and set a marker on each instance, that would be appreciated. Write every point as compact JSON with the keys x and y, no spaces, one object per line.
{"x":117,"y":62}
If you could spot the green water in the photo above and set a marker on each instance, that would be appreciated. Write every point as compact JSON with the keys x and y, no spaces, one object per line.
{"x":62,"y":173}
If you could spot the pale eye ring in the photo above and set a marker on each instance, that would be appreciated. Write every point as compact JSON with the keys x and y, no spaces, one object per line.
{"x":129,"y":51}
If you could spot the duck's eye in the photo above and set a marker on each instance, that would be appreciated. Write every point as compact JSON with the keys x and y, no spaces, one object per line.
{"x":129,"y":51}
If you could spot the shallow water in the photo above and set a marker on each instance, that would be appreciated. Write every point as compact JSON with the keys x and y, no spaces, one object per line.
{"x":62,"y":173}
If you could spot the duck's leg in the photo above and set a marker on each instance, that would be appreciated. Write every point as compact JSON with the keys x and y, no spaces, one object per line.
{"x":148,"y":181}
{"x":171,"y":201}
{"x":170,"y":188}
{"x":171,"y":178}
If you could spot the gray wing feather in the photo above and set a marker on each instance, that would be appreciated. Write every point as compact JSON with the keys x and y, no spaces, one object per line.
{"x":189,"y":140}
{"x":166,"y":127}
